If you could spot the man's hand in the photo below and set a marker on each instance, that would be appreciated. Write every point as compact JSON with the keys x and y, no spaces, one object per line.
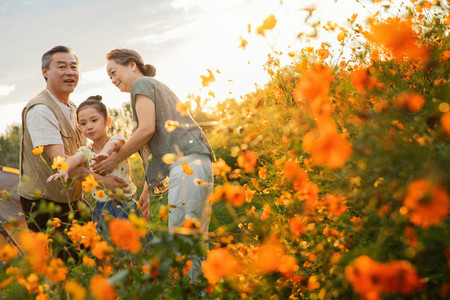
{"x":112,"y":182}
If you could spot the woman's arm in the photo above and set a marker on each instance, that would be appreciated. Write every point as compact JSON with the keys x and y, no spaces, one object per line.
{"x":144,"y":201}
{"x":145,"y":112}
{"x":110,"y":147}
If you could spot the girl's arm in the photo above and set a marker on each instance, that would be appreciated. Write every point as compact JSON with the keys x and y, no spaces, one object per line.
{"x":74,"y":161}
{"x":145,"y":112}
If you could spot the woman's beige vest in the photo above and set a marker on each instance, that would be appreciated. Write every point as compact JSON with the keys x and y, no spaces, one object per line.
{"x":34,"y":171}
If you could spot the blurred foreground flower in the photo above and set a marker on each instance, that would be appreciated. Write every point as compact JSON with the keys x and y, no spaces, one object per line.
{"x":428,"y":203}
{"x":371,"y":279}
{"x":101,"y":288}
{"x":38,"y":150}
{"x":220,"y":263}
{"x":89,"y":183}
{"x":59,"y":163}
{"x":398,"y":37}
{"x":124,"y":235}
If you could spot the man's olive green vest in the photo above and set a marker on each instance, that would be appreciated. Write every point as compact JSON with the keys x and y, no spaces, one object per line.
{"x":34,"y":171}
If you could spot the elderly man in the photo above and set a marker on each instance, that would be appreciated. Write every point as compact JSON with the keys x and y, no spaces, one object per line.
{"x":49,"y":120}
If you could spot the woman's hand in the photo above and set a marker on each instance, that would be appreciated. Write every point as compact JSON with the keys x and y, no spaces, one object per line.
{"x":144,"y":202}
{"x":105,"y":166}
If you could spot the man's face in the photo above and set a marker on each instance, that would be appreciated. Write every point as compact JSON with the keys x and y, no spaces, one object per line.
{"x":62,"y":74}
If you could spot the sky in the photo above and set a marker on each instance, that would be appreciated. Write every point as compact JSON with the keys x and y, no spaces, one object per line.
{"x":181,"y":38}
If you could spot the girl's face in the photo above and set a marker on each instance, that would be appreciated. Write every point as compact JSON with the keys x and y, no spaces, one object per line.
{"x":92,"y":124}
{"x":122,"y":76}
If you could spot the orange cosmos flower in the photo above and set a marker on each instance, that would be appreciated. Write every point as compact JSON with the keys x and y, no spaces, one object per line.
{"x":163,"y":209}
{"x":234,"y":193}
{"x":314,"y":86}
{"x":38,"y":150}
{"x":86,"y":234}
{"x":217,"y":194}
{"x":341,"y":36}
{"x":102,"y":250}
{"x":295,"y":174}
{"x":288,"y":266}
{"x":56,"y":270}
{"x":335,"y":204}
{"x":268,"y":255}
{"x":89,"y":183}
{"x":323,"y":53}
{"x":268,"y":24}
{"x":88,"y":262}
{"x":59,"y":163}
{"x":220,"y":167}
{"x":445,"y":121}
{"x":100,"y":193}
{"x":262,"y":173}
{"x":35,"y":247}
{"x":370,"y":279}
{"x":398,"y":37}
{"x":249,"y":194}
{"x":247,"y":160}
{"x":8,"y":252}
{"x":187,"y":169}
{"x":363,"y":81}
{"x":427,"y":202}
{"x":266,"y":212}
{"x":277,"y":92}
{"x":297,"y":225}
{"x":124,"y":235}
{"x":101,"y":288}
{"x":220,"y":263}
{"x":327,"y":147}
{"x":411,"y":100}
{"x":75,"y":290}
{"x":183,"y":108}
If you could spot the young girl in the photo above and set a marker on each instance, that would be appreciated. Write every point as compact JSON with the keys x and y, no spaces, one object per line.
{"x":93,"y":120}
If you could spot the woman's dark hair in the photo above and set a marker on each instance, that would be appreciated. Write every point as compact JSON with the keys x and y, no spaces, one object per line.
{"x":96,"y":102}
{"x":125,"y":56}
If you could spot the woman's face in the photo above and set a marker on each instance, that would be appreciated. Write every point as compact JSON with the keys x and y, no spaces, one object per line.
{"x":121,"y":76}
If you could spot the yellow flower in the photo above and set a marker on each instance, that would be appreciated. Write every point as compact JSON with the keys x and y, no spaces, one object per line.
{"x":5,"y":194}
{"x":171,"y":125}
{"x":90,"y":183}
{"x":38,"y":150}
{"x":59,"y":163}
{"x":169,"y":158}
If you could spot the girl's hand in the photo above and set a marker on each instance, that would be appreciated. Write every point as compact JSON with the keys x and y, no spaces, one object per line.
{"x":100,"y":157}
{"x":105,"y":166}
{"x":60,"y":174}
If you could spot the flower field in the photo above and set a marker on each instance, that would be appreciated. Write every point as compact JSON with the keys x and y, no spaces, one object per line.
{"x":331,"y":182}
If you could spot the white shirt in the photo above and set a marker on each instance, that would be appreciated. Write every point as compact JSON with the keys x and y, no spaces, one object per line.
{"x":43,"y":125}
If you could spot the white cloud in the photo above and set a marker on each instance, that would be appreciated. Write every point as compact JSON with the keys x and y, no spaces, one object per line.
{"x":95,"y":76}
{"x":5,"y":90}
